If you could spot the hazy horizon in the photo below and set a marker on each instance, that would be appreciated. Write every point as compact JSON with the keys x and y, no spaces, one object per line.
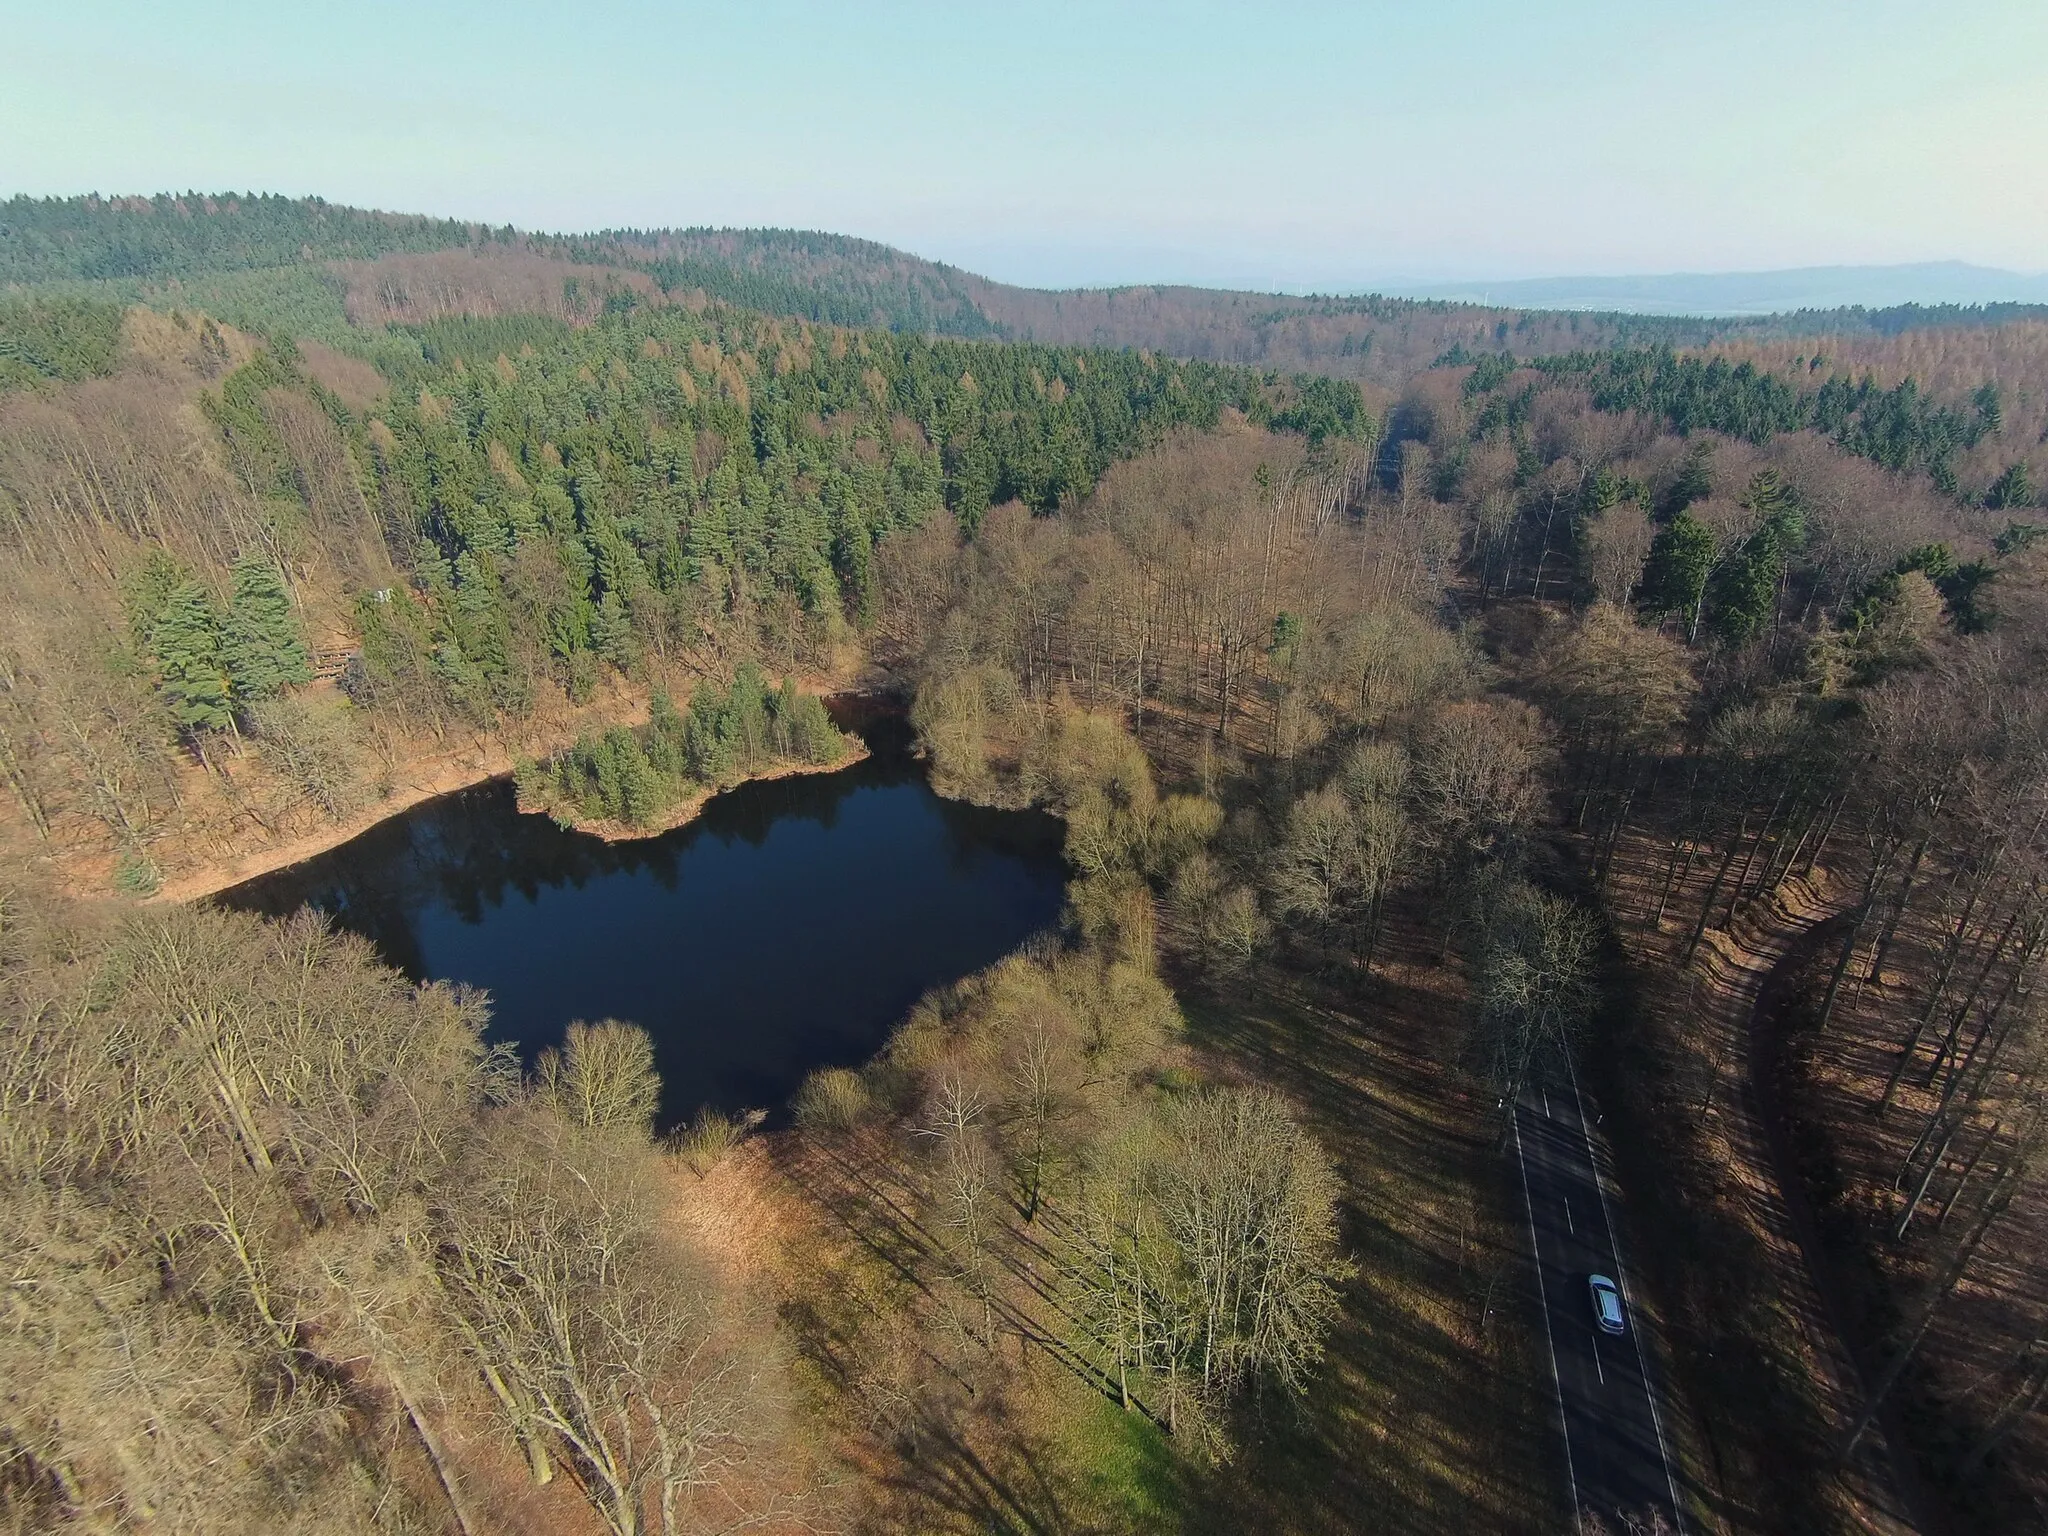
{"x":1324,"y":147}
{"x":1831,"y":285}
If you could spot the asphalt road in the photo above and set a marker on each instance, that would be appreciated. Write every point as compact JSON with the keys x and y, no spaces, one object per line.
{"x":1615,"y":1448}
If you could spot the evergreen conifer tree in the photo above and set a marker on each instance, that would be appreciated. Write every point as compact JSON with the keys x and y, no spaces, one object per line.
{"x":146,"y":588}
{"x":746,"y":711}
{"x":1681,"y":561}
{"x":2014,"y":488}
{"x":187,"y":643}
{"x":1694,"y":481}
{"x":640,"y":797}
{"x":606,"y":782}
{"x":260,"y":645}
{"x":708,"y":542}
{"x":1746,"y":588}
{"x":611,"y":632}
{"x":706,"y":742}
{"x":666,"y":751}
{"x":782,"y":706}
{"x":815,"y":738}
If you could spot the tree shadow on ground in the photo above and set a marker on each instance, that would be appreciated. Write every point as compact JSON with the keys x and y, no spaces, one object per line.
{"x":1429,"y":1414}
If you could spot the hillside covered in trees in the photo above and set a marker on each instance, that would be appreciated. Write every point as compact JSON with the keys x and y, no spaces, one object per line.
{"x":529,"y":511}
{"x":1408,"y":745}
{"x":524,"y":519}
{"x":341,"y":274}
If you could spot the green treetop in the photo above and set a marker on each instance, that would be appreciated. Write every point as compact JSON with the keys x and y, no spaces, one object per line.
{"x":1681,"y":561}
{"x":260,"y":643}
{"x":187,"y":643}
{"x":1746,"y":587}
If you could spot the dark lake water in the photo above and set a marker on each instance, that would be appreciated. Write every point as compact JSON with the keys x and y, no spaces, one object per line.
{"x":789,"y":927}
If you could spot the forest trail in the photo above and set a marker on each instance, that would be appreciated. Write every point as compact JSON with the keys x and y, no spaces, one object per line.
{"x":1748,"y":969}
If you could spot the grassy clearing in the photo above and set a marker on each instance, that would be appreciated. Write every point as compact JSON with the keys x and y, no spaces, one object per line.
{"x":1432,"y":1413}
{"x":1122,"y":1468}
{"x":932,"y":1433}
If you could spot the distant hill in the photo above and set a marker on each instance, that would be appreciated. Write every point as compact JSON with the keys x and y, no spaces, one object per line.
{"x":357,"y":279}
{"x":1758,"y":293}
{"x":832,"y":279}
{"x":170,"y":236}
{"x":297,"y":262}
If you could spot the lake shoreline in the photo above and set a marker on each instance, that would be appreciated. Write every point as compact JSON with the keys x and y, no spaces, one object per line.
{"x":211,"y":880}
{"x":692,"y":936}
{"x":490,"y":761}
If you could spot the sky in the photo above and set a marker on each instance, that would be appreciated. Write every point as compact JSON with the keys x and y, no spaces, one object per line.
{"x":1276,"y":146}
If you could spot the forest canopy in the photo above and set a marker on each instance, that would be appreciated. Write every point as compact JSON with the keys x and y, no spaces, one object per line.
{"x":1418,"y":694}
{"x":304,"y":266}
{"x":47,"y":339}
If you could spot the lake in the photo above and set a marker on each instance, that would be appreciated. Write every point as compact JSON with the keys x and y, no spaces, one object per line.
{"x":789,"y":927}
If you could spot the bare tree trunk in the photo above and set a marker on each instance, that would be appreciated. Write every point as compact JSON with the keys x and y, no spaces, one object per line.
{"x":1966,"y":1250}
{"x":1950,"y":957}
{"x":450,"y":1483}
{"x":1741,"y":880}
{"x":1955,"y":1195}
{"x":1714,"y":890}
{"x":1905,"y":1221}
{"x":1849,"y":941}
{"x":1907,"y":881}
{"x":2028,"y":1396}
{"x":1827,"y":832}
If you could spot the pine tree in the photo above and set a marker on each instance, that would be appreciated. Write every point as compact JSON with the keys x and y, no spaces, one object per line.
{"x":146,"y":588}
{"x":608,"y":775}
{"x":975,"y":476}
{"x":483,"y":628}
{"x":666,"y":752}
{"x":815,"y":738}
{"x":187,"y":643}
{"x":782,"y":720}
{"x":641,"y":797}
{"x":611,"y":632}
{"x":1746,"y":588}
{"x":260,"y":643}
{"x":2014,"y":488}
{"x":852,"y":550}
{"x":1694,"y":481}
{"x":708,"y":541}
{"x":746,"y":715}
{"x":1990,"y":408}
{"x":1681,"y":560}
{"x":704,"y":734}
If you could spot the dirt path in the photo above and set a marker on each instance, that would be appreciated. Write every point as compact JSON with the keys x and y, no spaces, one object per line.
{"x":1752,"y":968}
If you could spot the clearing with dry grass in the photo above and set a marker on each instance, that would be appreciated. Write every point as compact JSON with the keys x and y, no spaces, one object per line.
{"x":1433,"y":1412}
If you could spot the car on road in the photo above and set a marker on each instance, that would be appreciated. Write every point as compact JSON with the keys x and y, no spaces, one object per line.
{"x":1606,"y":1303}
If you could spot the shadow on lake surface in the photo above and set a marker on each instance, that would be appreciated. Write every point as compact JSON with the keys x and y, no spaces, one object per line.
{"x":789,"y":927}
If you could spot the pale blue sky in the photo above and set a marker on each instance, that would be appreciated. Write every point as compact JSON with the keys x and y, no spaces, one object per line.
{"x":1292,"y":145}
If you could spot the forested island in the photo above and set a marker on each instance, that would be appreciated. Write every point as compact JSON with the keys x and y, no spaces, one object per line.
{"x":1651,"y":700}
{"x":655,"y":780}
